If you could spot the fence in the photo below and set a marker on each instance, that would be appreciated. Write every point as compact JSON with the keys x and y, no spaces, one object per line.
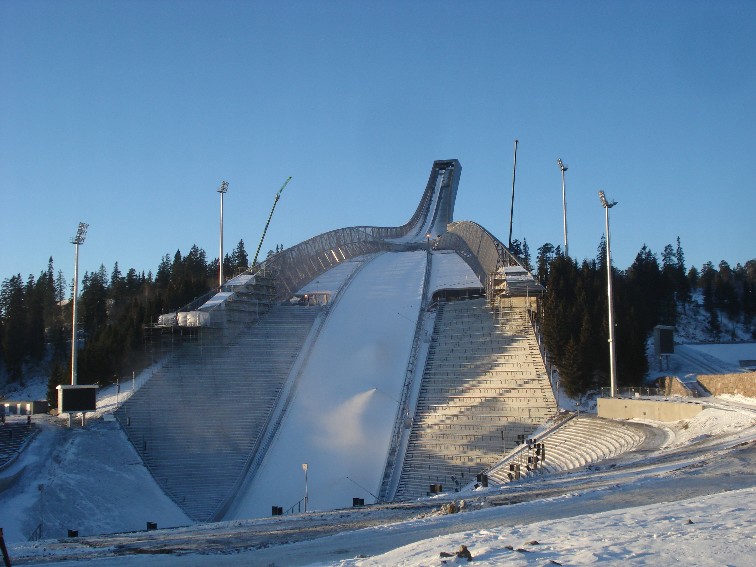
{"x":633,"y":392}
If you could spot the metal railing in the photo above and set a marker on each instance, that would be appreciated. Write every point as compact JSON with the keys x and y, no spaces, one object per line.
{"x":300,"y":264}
{"x":403,"y":409}
{"x":297,"y":505}
{"x":633,"y":392}
{"x":36,"y":534}
{"x":516,"y":454}
{"x":296,"y":266}
{"x":482,"y":251}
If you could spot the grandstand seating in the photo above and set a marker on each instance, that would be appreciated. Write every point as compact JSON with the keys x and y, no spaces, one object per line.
{"x":484,"y":389}
{"x":13,"y":437}
{"x":197,"y":422}
{"x":571,"y":444}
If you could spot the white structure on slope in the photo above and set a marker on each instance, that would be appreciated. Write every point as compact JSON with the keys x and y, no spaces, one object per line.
{"x":344,"y":407}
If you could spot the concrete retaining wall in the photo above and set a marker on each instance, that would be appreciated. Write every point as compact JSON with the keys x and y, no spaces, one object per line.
{"x":671,"y":386}
{"x":620,"y":408}
{"x":743,"y":383}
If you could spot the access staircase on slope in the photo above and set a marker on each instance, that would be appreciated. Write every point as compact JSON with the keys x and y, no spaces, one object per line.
{"x":484,"y":390}
{"x":197,"y":422}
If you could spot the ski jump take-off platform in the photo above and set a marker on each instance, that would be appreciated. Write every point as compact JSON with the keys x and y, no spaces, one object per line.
{"x":367,"y":364}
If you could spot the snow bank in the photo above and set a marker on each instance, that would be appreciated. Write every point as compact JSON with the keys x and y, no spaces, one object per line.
{"x":681,"y":533}
{"x":89,"y":480}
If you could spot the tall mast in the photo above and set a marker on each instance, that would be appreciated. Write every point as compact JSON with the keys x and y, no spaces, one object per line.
{"x":511,"y":209}
{"x":77,"y":240}
{"x":564,"y":205}
{"x":270,"y":216}
{"x":222,"y":190}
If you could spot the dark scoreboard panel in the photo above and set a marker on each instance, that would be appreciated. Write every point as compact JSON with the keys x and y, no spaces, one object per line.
{"x":664,"y":340}
{"x":77,"y":398}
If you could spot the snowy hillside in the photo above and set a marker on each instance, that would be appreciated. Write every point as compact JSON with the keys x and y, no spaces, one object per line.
{"x":693,"y":325}
{"x":689,"y":498}
{"x":673,"y":504}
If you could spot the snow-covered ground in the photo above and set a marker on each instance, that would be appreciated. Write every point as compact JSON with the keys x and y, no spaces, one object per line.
{"x":684,"y":533}
{"x":689,"y":501}
{"x":91,"y":480}
{"x":732,"y":353}
{"x":450,"y":271}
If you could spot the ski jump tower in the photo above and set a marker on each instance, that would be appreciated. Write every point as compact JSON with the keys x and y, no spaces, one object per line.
{"x":256,"y":344}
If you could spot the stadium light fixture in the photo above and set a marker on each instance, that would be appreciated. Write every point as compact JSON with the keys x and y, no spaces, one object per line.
{"x":305,"y":467}
{"x":222,"y":190}
{"x":612,"y":355}
{"x":563,"y":168}
{"x":77,"y":240}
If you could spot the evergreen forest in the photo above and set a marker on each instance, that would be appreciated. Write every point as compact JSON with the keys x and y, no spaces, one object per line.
{"x":115,"y":309}
{"x":574,"y":310}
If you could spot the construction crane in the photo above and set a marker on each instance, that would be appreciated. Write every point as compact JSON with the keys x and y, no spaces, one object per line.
{"x":270,"y":216}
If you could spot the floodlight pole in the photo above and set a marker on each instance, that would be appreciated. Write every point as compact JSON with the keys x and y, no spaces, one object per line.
{"x":305,"y":466}
{"x":222,"y":190}
{"x":81,"y":234}
{"x":511,"y":208}
{"x":564,"y":206}
{"x":612,"y":356}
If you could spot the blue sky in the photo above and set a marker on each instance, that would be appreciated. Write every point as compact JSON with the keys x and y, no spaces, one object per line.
{"x":128,"y":115}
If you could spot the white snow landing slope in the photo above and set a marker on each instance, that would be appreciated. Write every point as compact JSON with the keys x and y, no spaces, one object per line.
{"x":345,"y":404}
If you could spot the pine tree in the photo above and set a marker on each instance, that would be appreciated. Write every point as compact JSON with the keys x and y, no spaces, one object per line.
{"x":239,"y":258}
{"x":572,"y":370}
{"x":58,"y":375}
{"x":526,"y":255}
{"x":631,"y":334}
{"x":133,"y":281}
{"x":543,"y":260}
{"x":164,"y":272}
{"x":93,"y":301}
{"x":748,"y":302}
{"x":707,"y":276}
{"x":647,"y":290}
{"x":60,"y":287}
{"x":601,"y":254}
{"x":34,"y":299}
{"x":683,"y":283}
{"x":47,"y":290}
{"x":693,"y":277}
{"x":669,"y":275}
{"x":2,"y":341}
{"x":516,"y":250}
{"x":13,"y":312}
{"x":715,"y":327}
{"x":117,"y":287}
{"x":725,"y":296}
